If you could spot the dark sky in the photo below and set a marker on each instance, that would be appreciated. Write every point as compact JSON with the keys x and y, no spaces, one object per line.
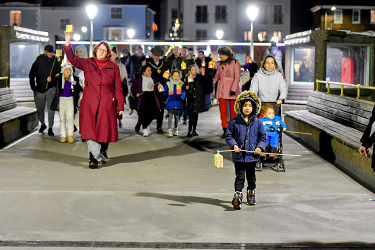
{"x":301,"y":15}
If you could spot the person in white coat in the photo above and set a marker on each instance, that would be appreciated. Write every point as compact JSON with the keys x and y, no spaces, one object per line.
{"x":269,"y":84}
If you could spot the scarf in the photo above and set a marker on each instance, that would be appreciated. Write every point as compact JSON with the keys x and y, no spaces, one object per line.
{"x":101,"y":63}
{"x":171,"y":84}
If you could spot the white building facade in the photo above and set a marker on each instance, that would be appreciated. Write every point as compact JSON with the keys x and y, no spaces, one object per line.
{"x":200,"y":19}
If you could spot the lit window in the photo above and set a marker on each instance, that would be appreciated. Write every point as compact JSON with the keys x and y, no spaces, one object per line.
{"x":356,"y":17}
{"x":338,"y":16}
{"x":116,"y":13}
{"x":262,"y":36}
{"x":373,"y":16}
{"x":246,"y":35}
{"x":64,"y":22}
{"x":278,"y":34}
{"x":15,"y":18}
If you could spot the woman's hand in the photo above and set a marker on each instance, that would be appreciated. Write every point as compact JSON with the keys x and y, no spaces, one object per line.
{"x":120,"y":112}
{"x":68,"y":37}
{"x":236,"y":149}
{"x":144,"y":63}
{"x":257,"y":151}
{"x":138,"y":94}
{"x":187,"y":87}
{"x":74,"y":83}
{"x":363,"y":151}
{"x":279,"y":102}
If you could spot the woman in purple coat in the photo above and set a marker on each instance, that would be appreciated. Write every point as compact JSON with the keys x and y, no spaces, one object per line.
{"x":101,"y":96}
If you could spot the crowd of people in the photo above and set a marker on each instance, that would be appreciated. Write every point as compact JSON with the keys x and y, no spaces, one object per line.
{"x":90,"y":93}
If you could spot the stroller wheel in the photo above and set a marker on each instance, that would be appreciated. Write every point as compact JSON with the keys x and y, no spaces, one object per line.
{"x":280,"y":167}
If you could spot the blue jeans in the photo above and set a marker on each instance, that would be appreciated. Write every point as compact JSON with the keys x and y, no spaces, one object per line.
{"x":273,"y":140}
{"x":207,"y":100}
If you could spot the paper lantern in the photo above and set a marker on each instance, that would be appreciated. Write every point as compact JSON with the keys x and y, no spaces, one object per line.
{"x":211,"y":64}
{"x":154,"y":27}
{"x":183,"y":65}
{"x":190,"y":79}
{"x":69,"y":28}
{"x":166,"y":74}
{"x":219,"y":160}
{"x":203,"y":64}
{"x":59,"y":52}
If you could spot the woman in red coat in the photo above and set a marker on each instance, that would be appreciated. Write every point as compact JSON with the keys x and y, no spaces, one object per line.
{"x":101,"y":95}
{"x":228,"y":76}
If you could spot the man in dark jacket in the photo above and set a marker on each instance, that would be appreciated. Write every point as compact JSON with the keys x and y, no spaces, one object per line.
{"x":45,"y":69}
{"x":158,"y":67}
{"x":132,"y":65}
{"x":125,"y":55}
{"x":176,"y":53}
{"x":367,"y":139}
{"x":186,"y":58}
{"x":208,"y":87}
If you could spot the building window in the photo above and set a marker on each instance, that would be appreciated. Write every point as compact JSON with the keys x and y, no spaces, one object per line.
{"x":373,"y":16}
{"x":338,"y":16}
{"x":356,"y":16}
{"x":262,"y":36}
{"x":201,"y":34}
{"x":15,"y":18}
{"x":262,"y":14}
{"x":278,"y":34}
{"x":221,"y":14}
{"x":201,"y":15}
{"x":63,"y":22}
{"x":246,"y":35}
{"x":116,"y":13}
{"x":278,"y":14}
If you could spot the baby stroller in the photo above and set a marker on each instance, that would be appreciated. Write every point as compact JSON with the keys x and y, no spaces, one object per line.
{"x":276,"y":162}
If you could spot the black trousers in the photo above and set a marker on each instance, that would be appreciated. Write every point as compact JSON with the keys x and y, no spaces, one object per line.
{"x":160,"y":117}
{"x":193,"y":120}
{"x":243,"y":169}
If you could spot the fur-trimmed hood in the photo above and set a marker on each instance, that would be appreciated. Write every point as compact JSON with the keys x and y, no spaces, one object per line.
{"x":248,"y":95}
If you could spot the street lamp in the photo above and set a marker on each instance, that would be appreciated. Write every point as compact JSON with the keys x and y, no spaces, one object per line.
{"x":252,"y":12}
{"x":219,"y":34}
{"x":91,"y":12}
{"x":76,"y":37}
{"x":131,"y":34}
{"x":84,"y":30}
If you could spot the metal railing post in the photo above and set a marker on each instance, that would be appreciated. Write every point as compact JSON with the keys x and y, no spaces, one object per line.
{"x":328,"y":88}
{"x":342,"y":89}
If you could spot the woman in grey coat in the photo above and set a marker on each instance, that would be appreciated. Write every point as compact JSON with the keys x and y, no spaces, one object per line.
{"x":269,"y":84}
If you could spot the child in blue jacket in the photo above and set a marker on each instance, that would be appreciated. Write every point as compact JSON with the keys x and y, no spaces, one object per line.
{"x":245,"y":132}
{"x":175,"y":95}
{"x":273,"y":125}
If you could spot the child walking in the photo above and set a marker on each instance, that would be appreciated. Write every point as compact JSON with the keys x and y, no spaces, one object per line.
{"x":245,"y":132}
{"x":195,"y":97}
{"x":273,"y":125}
{"x":66,"y":89}
{"x":175,"y":95}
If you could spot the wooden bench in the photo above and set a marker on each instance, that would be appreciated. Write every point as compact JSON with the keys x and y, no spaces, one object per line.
{"x":337,"y":124}
{"x":15,"y":122}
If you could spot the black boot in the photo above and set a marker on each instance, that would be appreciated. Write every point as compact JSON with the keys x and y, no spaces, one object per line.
{"x":224,"y":132}
{"x":93,"y":163}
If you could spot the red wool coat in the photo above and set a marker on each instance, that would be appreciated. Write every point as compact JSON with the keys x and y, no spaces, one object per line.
{"x":228,"y":80}
{"x":103,"y":89}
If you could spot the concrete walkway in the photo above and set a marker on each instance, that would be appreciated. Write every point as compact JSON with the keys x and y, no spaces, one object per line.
{"x":158,"y":189}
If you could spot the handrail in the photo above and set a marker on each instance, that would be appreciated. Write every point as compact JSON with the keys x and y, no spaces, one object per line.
{"x":6,"y":80}
{"x":358,"y":86}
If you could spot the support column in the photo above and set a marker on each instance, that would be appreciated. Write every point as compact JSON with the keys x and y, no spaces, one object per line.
{"x":5,"y":33}
{"x":320,"y":59}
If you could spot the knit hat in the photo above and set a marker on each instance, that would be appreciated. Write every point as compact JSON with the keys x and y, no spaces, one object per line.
{"x":48,"y":48}
{"x":138,"y":47}
{"x":125,"y":51}
{"x":157,"y":51}
{"x":248,"y":96}
{"x":114,"y":49}
{"x":226,"y":51}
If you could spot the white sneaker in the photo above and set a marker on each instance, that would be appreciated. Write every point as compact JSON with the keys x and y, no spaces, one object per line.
{"x":170,"y":134}
{"x":175,"y":132}
{"x":148,"y":130}
{"x":145,"y":132}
